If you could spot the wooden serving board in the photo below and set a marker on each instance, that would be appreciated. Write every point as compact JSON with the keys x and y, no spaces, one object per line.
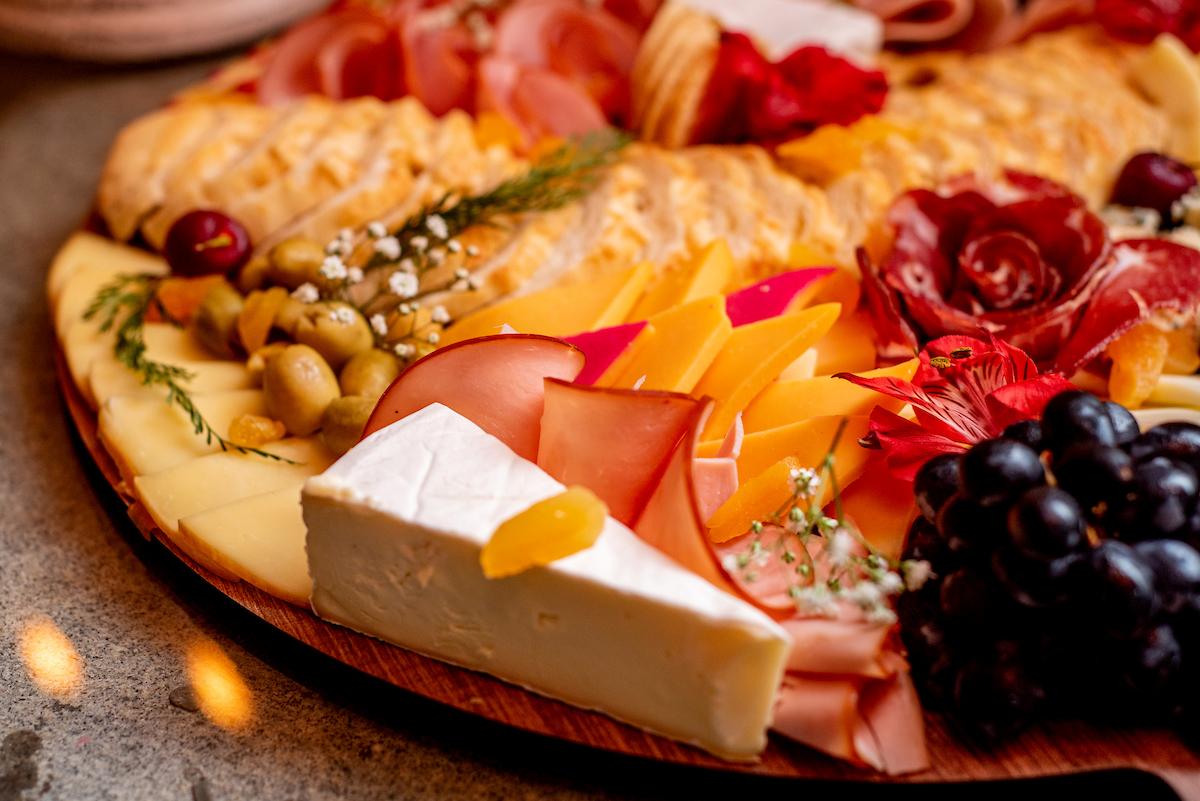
{"x":1055,"y":749}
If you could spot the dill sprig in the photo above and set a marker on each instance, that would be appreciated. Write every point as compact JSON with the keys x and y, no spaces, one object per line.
{"x":135,"y":294}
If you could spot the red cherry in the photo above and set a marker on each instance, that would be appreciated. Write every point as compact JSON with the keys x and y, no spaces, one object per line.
{"x":205,"y":242}
{"x":1153,"y":181}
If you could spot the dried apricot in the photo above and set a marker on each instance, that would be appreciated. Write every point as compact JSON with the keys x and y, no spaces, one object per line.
{"x":1138,"y":358}
{"x":547,"y":531}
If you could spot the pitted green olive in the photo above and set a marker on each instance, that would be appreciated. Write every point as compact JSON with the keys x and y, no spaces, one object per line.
{"x":343,"y":422}
{"x":296,"y":261}
{"x":369,"y":373}
{"x":335,"y":330}
{"x":298,"y":385}
{"x":215,"y":321}
{"x":289,"y":313}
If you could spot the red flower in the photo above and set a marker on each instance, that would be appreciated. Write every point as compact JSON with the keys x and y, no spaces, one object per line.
{"x":749,"y":99}
{"x":1022,"y":259}
{"x":1140,"y":21}
{"x":965,"y":390}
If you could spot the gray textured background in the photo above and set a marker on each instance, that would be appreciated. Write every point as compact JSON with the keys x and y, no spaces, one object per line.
{"x":66,"y":552}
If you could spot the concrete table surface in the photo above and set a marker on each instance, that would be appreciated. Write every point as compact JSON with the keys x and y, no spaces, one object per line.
{"x":116,"y":616}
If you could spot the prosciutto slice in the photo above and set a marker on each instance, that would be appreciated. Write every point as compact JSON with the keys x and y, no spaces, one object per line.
{"x":972,"y":25}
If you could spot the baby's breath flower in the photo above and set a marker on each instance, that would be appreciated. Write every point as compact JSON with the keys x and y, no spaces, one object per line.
{"x":354,"y":275}
{"x":346,"y":235}
{"x":433,"y":338}
{"x":916,"y":573}
{"x":437,"y":226}
{"x":461,"y":285}
{"x":814,"y":600}
{"x":376,"y":229}
{"x":333,"y":268}
{"x":405,"y":308}
{"x":439,"y":315}
{"x":388,"y":247}
{"x":462,"y":273}
{"x":403,"y":284}
{"x":472,"y":251}
{"x":342,"y":314}
{"x":454,"y":246}
{"x":405,"y":350}
{"x":472,"y":283}
{"x":335,"y":248}
{"x":407,"y":266}
{"x":419,"y":243}
{"x":891,"y":583}
{"x":864,"y":594}
{"x":838,"y":545}
{"x":306,"y":293}
{"x":379,"y":324}
{"x":881,"y":614}
{"x":436,"y":257}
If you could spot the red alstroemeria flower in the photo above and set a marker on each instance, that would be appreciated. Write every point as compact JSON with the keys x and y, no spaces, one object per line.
{"x":1025,"y":260}
{"x":965,"y":390}
{"x":750,"y":99}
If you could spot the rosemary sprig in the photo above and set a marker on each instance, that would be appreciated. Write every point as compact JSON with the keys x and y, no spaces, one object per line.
{"x":135,"y":294}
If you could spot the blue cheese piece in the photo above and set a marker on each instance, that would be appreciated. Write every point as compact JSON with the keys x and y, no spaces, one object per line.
{"x":394,"y":534}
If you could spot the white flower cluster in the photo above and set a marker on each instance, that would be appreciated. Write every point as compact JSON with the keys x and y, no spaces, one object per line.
{"x":403,"y":284}
{"x":306,"y":293}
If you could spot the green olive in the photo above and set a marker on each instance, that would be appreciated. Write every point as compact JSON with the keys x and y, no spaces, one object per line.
{"x":288,"y":315}
{"x":254,"y":274}
{"x":369,"y":373}
{"x":298,"y":385}
{"x":343,"y":422}
{"x":296,"y":261}
{"x":256,"y":363}
{"x":215,"y":321}
{"x":335,"y":330}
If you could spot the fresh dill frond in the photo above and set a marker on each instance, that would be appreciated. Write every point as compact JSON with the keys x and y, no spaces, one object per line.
{"x":135,"y":294}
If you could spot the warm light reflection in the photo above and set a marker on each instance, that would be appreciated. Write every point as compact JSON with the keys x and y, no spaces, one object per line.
{"x":50,"y":659}
{"x":220,"y":690}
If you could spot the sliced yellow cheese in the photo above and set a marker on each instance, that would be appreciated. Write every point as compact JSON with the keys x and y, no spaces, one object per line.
{"x":1169,"y":74}
{"x":785,"y":402}
{"x":259,"y":539}
{"x":708,"y":274}
{"x":561,"y":310}
{"x":86,"y":249}
{"x":807,"y":441}
{"x":683,"y":343}
{"x":146,"y":435}
{"x":634,"y":349}
{"x":755,"y":499}
{"x":754,"y":356}
{"x":77,"y":293}
{"x":108,"y":379}
{"x":848,"y":347}
{"x":85,"y":347}
{"x":210,"y":481}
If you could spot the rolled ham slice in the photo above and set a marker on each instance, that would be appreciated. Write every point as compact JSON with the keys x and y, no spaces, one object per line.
{"x":920,"y":21}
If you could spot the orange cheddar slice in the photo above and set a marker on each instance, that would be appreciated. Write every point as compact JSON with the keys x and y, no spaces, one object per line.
{"x":808,"y":441}
{"x":757,"y":499}
{"x":708,"y":274}
{"x":785,"y":402}
{"x":560,"y":310}
{"x":754,"y":356}
{"x":632,"y":351}
{"x":685,"y":341}
{"x":882,"y":508}
{"x":848,"y":347}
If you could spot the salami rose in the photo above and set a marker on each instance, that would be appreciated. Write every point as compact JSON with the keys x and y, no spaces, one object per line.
{"x":1024,"y":260}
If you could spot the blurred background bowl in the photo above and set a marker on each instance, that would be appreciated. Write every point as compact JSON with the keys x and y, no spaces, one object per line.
{"x":141,"y":30}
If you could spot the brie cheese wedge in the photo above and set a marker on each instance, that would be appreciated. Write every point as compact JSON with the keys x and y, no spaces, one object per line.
{"x":395,"y":530}
{"x":781,"y":26}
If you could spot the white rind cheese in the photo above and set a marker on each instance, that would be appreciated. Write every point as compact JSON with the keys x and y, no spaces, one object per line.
{"x":394,"y":534}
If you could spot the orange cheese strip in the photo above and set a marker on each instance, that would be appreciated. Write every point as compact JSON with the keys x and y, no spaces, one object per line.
{"x":560,"y":310}
{"x":756,"y":499}
{"x":882,"y":507}
{"x":611,"y":373}
{"x":708,"y":274}
{"x":786,"y":402}
{"x":848,"y":347}
{"x":754,"y":356}
{"x":684,"y":342}
{"x":807,"y":441}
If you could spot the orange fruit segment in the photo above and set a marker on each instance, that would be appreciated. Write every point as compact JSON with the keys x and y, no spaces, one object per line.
{"x":547,"y":531}
{"x":1138,"y":358}
{"x":757,"y":499}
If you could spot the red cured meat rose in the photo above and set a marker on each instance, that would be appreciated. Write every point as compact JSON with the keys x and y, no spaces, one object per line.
{"x":1024,"y":260}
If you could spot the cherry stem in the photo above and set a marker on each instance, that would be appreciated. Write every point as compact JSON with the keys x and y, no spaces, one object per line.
{"x":222,"y":240}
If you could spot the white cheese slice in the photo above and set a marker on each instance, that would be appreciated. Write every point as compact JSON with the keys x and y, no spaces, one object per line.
{"x":259,"y":540}
{"x":395,"y":530}
{"x":88,"y":250}
{"x":109,"y":378}
{"x":780,"y":26}
{"x":145,"y":434}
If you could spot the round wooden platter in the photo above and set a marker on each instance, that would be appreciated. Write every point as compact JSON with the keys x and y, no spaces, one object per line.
{"x":1053,"y":750}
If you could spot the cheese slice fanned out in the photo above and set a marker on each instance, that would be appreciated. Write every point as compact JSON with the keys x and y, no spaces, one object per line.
{"x":395,"y":530}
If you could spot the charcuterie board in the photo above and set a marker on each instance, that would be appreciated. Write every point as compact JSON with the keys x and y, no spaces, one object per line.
{"x":1046,"y":751}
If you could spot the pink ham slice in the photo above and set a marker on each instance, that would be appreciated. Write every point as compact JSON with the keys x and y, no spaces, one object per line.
{"x":439,"y":60}
{"x":496,"y":382}
{"x":615,"y":442}
{"x":541,"y":102}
